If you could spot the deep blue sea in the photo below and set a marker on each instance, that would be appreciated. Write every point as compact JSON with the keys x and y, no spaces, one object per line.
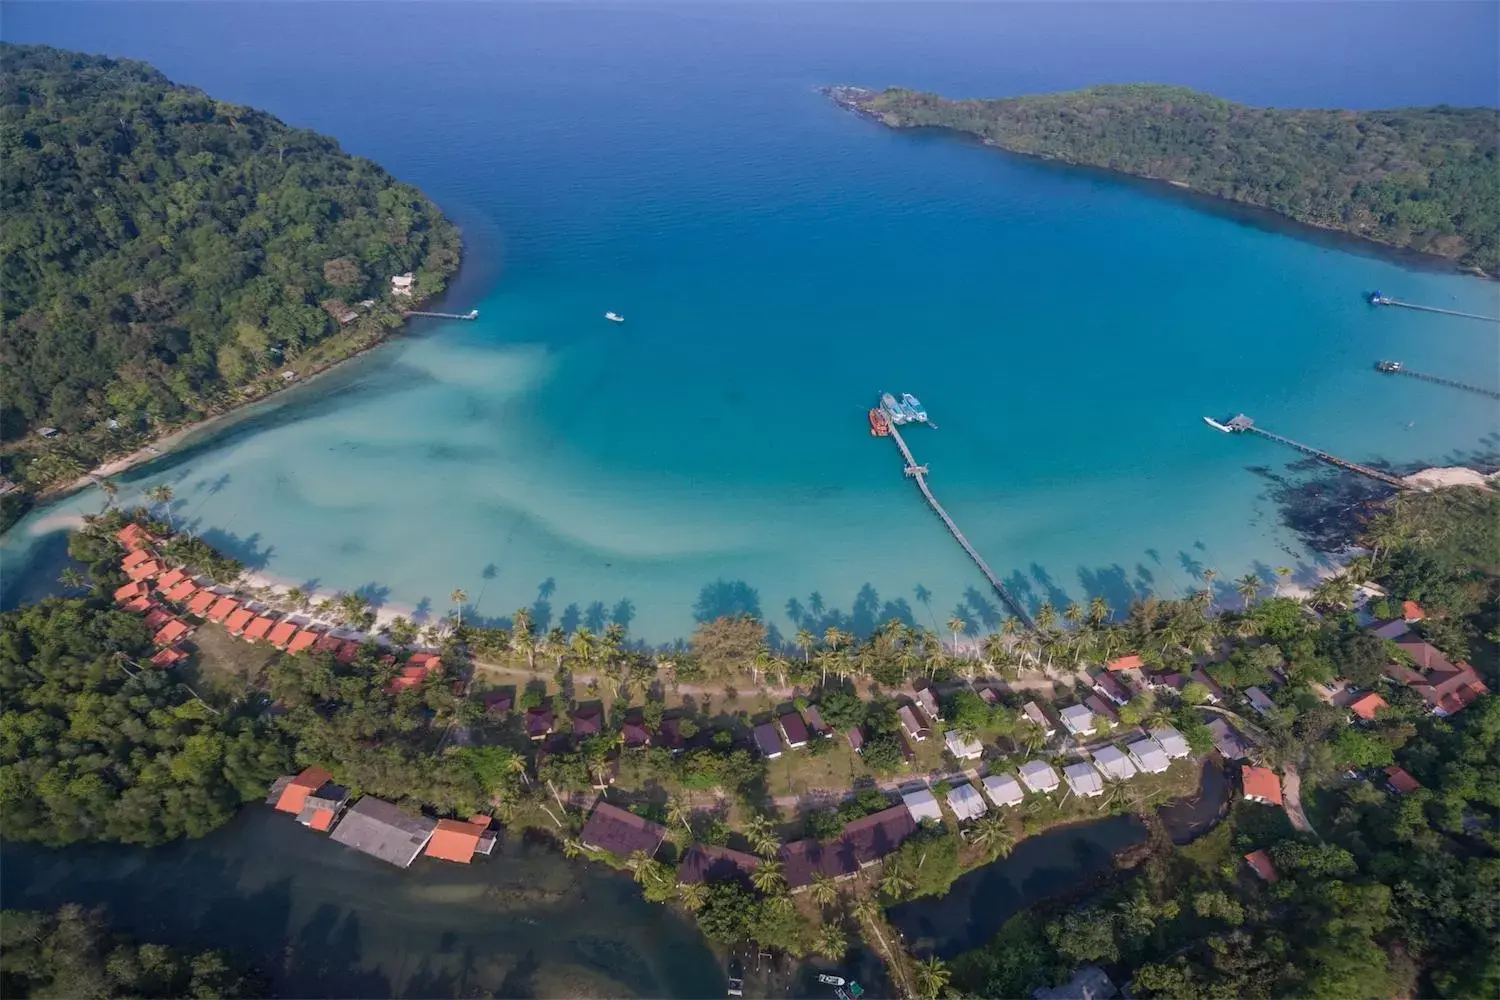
{"x":779,"y":262}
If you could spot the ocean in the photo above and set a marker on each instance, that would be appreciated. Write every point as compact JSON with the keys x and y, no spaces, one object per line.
{"x":779,"y":262}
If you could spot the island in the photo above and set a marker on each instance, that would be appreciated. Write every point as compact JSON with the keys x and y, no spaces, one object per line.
{"x":169,"y":256}
{"x":1422,"y":179}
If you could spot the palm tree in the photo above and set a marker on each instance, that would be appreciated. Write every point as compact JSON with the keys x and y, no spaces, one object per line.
{"x":296,"y":597}
{"x":895,"y":883}
{"x":866,"y":910}
{"x":557,"y":642}
{"x":1248,"y":586}
{"x":679,"y":812}
{"x":832,"y":941}
{"x":582,"y":646}
{"x":956,"y":625}
{"x":457,"y":599}
{"x":823,"y":890}
{"x":761,"y":833}
{"x":1209,"y":576}
{"x":572,"y":847}
{"x":1282,"y":572}
{"x":767,"y":876}
{"x":693,"y":895}
{"x":805,"y":642}
{"x":1099,"y":612}
{"x":71,"y":579}
{"x":932,"y":978}
{"x":109,"y":488}
{"x":161,"y":495}
{"x":992,"y":834}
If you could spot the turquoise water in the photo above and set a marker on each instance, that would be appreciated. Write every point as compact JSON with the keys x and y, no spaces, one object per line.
{"x":779,"y":262}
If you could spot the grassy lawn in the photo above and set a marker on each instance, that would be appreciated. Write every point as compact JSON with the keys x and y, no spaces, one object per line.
{"x":1039,"y":812}
{"x":798,"y":772}
{"x":224,"y":667}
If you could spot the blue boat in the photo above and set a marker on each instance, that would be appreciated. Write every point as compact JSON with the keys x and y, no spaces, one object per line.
{"x":913,"y":407}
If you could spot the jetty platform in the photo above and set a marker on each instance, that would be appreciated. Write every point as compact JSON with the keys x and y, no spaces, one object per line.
{"x":471,"y":314}
{"x":1242,"y":424}
{"x":1385,"y":300}
{"x":1397,"y":368}
{"x":918,"y":472}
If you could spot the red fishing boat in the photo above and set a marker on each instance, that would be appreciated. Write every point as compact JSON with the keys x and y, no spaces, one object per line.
{"x":879,"y":425}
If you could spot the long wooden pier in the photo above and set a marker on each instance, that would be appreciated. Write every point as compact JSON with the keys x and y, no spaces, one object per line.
{"x":1243,"y":424}
{"x":1396,"y":368}
{"x":919,"y":473}
{"x":471,"y":314}
{"x":1385,"y":300}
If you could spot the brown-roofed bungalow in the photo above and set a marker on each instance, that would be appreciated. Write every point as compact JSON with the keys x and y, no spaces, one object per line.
{"x":133,"y":536}
{"x":145,"y":570}
{"x":708,"y":863}
{"x":140,"y":605}
{"x":1400,"y":780}
{"x":621,"y":833}
{"x":538,"y":722}
{"x":588,"y":721}
{"x":498,"y":702}
{"x":135,"y":558}
{"x":635,"y":733}
{"x":348,"y":651}
{"x":222,"y":609}
{"x":169,"y":657}
{"x":182,"y":591}
{"x":171,"y":579}
{"x":157,"y":617}
{"x":794,"y":729}
{"x":328,"y":643}
{"x":131,"y":590}
{"x":879,"y":834}
{"x":669,"y":735}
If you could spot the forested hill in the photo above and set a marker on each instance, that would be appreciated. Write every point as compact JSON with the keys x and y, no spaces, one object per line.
{"x":1423,"y":178}
{"x":161,"y":248}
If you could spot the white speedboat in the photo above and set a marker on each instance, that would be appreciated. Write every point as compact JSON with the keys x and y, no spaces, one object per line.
{"x":914,"y":407}
{"x":614,"y":317}
{"x":1210,"y":421}
{"x":898,"y":414}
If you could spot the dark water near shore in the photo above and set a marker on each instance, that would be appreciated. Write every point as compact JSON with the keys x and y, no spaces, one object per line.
{"x":322,"y":920}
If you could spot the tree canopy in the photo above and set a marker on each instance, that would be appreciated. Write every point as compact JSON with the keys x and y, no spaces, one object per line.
{"x":1427,"y":179}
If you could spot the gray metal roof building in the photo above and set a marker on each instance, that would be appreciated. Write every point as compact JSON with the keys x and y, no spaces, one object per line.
{"x":382,"y":830}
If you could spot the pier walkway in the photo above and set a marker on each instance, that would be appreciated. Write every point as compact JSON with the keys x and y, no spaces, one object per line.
{"x":1242,"y":424}
{"x":1386,"y":300}
{"x":1395,"y":368}
{"x":471,"y":314}
{"x":919,"y":473}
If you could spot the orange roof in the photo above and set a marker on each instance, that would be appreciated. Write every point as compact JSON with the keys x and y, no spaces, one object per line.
{"x":426,"y":661}
{"x":135,"y":558}
{"x":409,"y":677}
{"x":1401,"y":781}
{"x":201,"y":602}
{"x":172,"y":579}
{"x":133,"y":536}
{"x":1260,"y":863}
{"x":168,"y":657}
{"x":1131,"y":662}
{"x":221,"y":610}
{"x":170,"y":633}
{"x":183,"y":590}
{"x":1412,"y":611}
{"x":258,"y":629}
{"x":347,"y":652}
{"x":281,"y":634}
{"x":328,"y":643}
{"x":237,"y":620}
{"x":145,"y":570}
{"x":157,"y":617}
{"x":302,"y":640}
{"x":322,"y":819}
{"x":1366,"y":705}
{"x":455,"y":840}
{"x":131,"y":591}
{"x":1262,"y":783}
{"x":140,"y":605}
{"x":300,"y":787}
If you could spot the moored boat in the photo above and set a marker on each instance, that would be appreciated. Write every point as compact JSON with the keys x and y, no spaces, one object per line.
{"x":879,"y":425}
{"x":614,"y":317}
{"x":1210,"y":421}
{"x":893,"y":408}
{"x":914,"y":407}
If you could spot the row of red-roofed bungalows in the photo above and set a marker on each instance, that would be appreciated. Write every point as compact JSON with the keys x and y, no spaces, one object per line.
{"x":145,"y":568}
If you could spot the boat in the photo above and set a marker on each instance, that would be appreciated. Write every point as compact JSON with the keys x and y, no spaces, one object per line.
{"x":1388,"y":366}
{"x":897,"y":414}
{"x":736,"y":977}
{"x":879,"y":425}
{"x":914,"y":407}
{"x":614,"y":317}
{"x":1210,"y":421}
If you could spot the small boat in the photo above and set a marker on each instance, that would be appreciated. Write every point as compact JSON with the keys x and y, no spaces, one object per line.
{"x":914,"y":407}
{"x":614,"y":317}
{"x":897,"y":414}
{"x":1210,"y":421}
{"x":879,"y":425}
{"x":1388,"y":366}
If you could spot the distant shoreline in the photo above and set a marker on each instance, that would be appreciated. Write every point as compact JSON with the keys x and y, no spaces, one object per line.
{"x":1246,"y":213}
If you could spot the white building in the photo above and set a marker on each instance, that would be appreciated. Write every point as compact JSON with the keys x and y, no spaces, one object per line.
{"x":1039,"y":776}
{"x":1004,"y":789}
{"x":1083,"y":780}
{"x":1113,"y":763}
{"x":921,"y":803}
{"x":1148,"y":756}
{"x":401,"y":284}
{"x":1078,"y":720}
{"x":967,"y":803}
{"x":961,"y":748}
{"x":1172,"y":743}
{"x":1033,"y":713}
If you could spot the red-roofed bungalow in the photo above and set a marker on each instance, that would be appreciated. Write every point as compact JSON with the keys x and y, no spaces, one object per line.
{"x":140,"y":605}
{"x":1401,"y":782}
{"x":136,"y":558}
{"x":183,"y":590}
{"x":1131,"y":662}
{"x":303,"y":640}
{"x":144,"y":570}
{"x":295,"y":794}
{"x":1412,"y":611}
{"x":258,"y":629}
{"x":201,"y":602}
{"x":131,"y":591}
{"x":1260,"y":864}
{"x":238,"y":620}
{"x":157,"y":617}
{"x":1367,"y":705}
{"x":348,"y":652}
{"x":222,"y":609}
{"x":328,"y":643}
{"x":281,"y":634}
{"x":409,"y":677}
{"x":170,"y":633}
{"x":456,"y":840}
{"x":133,"y":536}
{"x":1262,"y":785}
{"x":169,"y":657}
{"x":171,"y":579}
